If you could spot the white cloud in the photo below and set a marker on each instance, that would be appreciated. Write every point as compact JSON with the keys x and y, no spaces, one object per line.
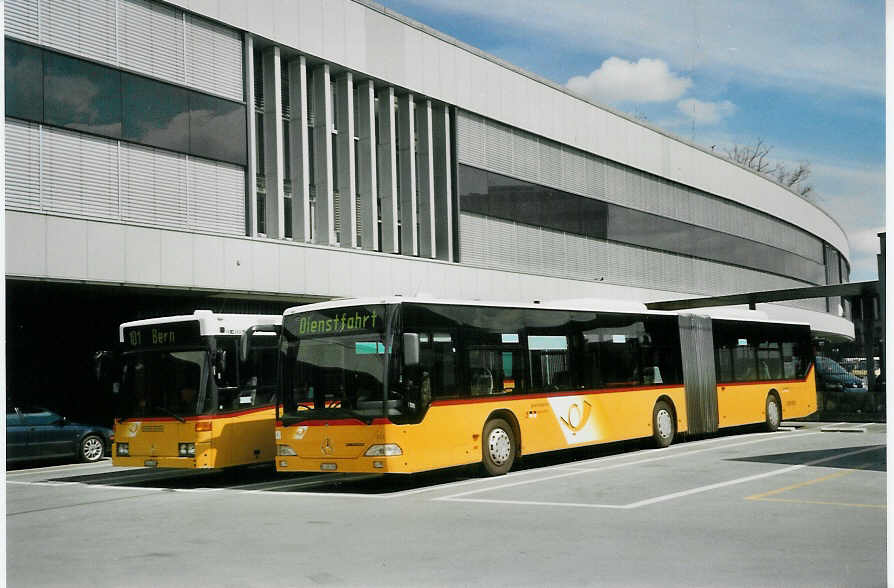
{"x":705,"y":113}
{"x":789,"y":44}
{"x":619,"y":80}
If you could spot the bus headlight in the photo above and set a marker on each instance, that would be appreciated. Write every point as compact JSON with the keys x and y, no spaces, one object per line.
{"x":123,"y":449}
{"x":285,"y":450}
{"x":386,"y":450}
{"x":187,"y":449}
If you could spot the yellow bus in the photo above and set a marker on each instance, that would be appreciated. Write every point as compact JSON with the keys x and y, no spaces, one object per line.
{"x":185,"y":400}
{"x":402,"y":385}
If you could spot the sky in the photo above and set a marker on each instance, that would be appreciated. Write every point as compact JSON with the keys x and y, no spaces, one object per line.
{"x":806,"y":77}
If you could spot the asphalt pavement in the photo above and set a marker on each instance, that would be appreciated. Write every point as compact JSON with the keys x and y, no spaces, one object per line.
{"x":805,"y":506}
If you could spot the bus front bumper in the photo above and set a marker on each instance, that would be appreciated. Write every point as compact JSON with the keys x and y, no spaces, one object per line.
{"x":157,"y":461}
{"x":357,"y":465}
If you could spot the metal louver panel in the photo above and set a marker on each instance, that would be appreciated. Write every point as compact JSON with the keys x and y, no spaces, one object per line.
{"x":498,"y":148}
{"x":150,"y":39}
{"x":526,"y":160}
{"x":473,"y":239}
{"x":22,"y":166}
{"x":82,"y":27}
{"x":152,"y":187}
{"x":574,"y":172}
{"x":550,"y":164}
{"x":470,"y":143}
{"x":80,"y":174}
{"x":213,"y":58}
{"x":216,"y":197}
{"x":20,"y":19}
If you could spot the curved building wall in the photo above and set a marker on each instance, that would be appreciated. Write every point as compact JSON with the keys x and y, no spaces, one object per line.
{"x":323,"y":149}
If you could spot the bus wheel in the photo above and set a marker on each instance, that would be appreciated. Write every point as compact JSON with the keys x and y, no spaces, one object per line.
{"x":664,"y":425}
{"x":774,"y":414}
{"x":497,"y":447}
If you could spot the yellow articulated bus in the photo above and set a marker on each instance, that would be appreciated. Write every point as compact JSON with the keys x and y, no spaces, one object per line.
{"x":185,"y":400}
{"x":401,"y":385}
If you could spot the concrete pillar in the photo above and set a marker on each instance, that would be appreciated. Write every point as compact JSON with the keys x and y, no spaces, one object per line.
{"x":387,"y":169}
{"x":325,"y":209}
{"x":425,"y":180}
{"x":366,"y":165}
{"x":251,"y":169}
{"x":299,"y":150}
{"x":443,"y":174}
{"x":347,"y":181}
{"x":409,"y":241}
{"x":273,"y":143}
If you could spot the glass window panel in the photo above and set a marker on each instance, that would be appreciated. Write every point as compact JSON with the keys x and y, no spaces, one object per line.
{"x":155,"y":114}
{"x":473,"y":190}
{"x":216,"y":128}
{"x":769,"y":361}
{"x":24,"y":81}
{"x":82,"y":96}
{"x":527,"y":207}
{"x":594,"y":218}
{"x":562,"y":212}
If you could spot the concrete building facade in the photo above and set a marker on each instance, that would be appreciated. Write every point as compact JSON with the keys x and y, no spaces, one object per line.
{"x":160,"y":154}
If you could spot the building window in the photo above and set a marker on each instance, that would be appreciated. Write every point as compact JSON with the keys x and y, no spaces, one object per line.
{"x":155,"y":114}
{"x":85,"y":96}
{"x":24,"y":81}
{"x":82,"y":96}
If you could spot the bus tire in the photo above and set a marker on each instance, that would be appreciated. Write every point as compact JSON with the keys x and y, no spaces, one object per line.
{"x":664,"y":424}
{"x":773,"y":412}
{"x":498,"y":447}
{"x":91,"y":448}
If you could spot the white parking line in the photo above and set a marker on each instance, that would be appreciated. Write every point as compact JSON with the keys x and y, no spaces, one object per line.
{"x":63,"y":467}
{"x":657,"y":499}
{"x":667,"y":497}
{"x":91,"y":486}
{"x":577,"y":469}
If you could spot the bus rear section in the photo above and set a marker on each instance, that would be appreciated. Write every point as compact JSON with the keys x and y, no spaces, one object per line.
{"x":407,"y":386}
{"x":185,"y":400}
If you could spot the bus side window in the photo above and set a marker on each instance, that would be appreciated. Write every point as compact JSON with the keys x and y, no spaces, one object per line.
{"x":438,"y":362}
{"x":550,"y":362}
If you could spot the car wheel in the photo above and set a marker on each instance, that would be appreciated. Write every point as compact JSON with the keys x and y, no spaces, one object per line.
{"x":774,"y":414}
{"x":497,"y":447}
{"x":92,"y":448}
{"x":664,"y":424}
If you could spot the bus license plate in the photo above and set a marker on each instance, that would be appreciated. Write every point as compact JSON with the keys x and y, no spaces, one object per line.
{"x":151,"y":463}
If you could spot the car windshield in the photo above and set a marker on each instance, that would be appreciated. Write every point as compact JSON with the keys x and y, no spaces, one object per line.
{"x":158,"y":383}
{"x":334,"y":364}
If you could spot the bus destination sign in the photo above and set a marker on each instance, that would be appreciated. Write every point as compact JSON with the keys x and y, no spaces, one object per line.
{"x":163,"y":334}
{"x":340,"y":321}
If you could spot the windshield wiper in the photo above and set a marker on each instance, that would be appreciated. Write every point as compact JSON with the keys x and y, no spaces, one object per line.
{"x":170,"y":412}
{"x":327,"y":413}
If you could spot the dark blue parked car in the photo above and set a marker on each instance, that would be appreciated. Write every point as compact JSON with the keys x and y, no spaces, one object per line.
{"x":840,"y":389}
{"x":36,"y":433}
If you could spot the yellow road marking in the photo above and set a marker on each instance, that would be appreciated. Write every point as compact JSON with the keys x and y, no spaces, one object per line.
{"x":795,"y":501}
{"x":763,"y":496}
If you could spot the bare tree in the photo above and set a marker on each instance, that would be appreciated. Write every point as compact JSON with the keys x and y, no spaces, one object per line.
{"x":755,"y":157}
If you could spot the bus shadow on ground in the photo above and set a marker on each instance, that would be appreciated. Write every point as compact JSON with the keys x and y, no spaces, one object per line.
{"x":176,"y":479}
{"x":869,"y":460}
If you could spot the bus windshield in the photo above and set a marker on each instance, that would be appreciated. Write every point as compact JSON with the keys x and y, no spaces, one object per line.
{"x":163,"y":383}
{"x":334,"y":364}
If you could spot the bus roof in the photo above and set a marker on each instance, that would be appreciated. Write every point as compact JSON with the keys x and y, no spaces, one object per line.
{"x":582,"y":304}
{"x":210,"y":323}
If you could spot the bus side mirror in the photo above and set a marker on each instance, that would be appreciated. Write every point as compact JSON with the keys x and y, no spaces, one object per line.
{"x":245,"y":338}
{"x":107,"y":369}
{"x":411,"y":349}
